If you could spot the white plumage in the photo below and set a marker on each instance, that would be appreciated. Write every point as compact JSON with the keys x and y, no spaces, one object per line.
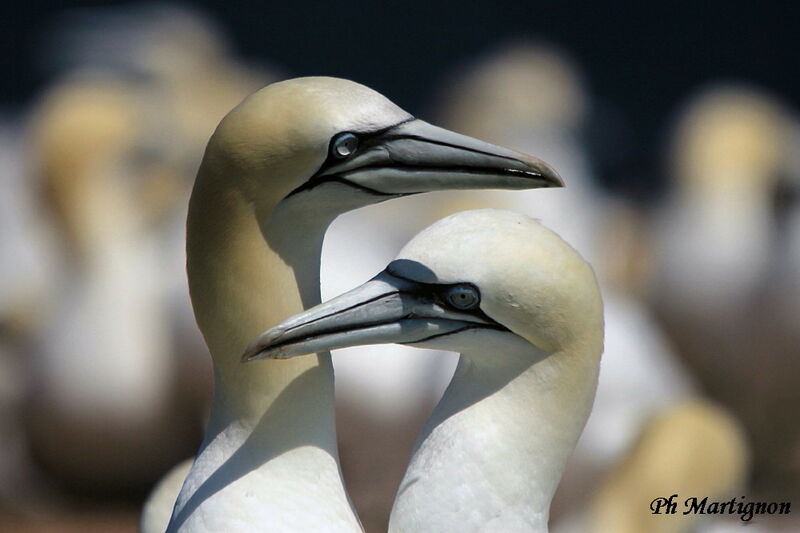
{"x":524,"y":311}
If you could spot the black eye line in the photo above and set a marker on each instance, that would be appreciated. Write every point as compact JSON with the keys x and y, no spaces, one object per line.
{"x":497,"y":327}
{"x":364,"y":142}
{"x":434,"y":292}
{"x":438,"y":292}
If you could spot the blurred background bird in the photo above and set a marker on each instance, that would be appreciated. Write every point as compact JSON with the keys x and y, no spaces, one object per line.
{"x":682,"y":190}
{"x":102,"y":363}
{"x":720,"y":266}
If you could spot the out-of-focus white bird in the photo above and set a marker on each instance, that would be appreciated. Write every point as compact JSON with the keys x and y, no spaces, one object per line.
{"x":716,"y":239}
{"x":183,"y":56}
{"x":182,"y":78}
{"x":102,"y":367}
{"x":530,"y":95}
{"x":726,"y":151}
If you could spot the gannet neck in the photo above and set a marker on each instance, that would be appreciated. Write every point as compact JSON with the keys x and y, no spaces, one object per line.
{"x":237,"y":252}
{"x":492,"y":453}
{"x":271,"y":437}
{"x":740,"y":226}
{"x":733,"y":219}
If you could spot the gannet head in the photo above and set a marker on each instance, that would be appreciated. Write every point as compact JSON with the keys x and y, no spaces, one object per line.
{"x":90,"y":151}
{"x":518,"y":88}
{"x":486,"y":272}
{"x":339,"y":142}
{"x":730,"y":138}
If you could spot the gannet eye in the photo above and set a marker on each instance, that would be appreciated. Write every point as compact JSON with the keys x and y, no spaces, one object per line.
{"x":344,"y":145}
{"x":463,"y":297}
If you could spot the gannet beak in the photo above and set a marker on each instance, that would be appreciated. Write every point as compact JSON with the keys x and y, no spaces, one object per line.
{"x":386,"y":309}
{"x":415,"y":156}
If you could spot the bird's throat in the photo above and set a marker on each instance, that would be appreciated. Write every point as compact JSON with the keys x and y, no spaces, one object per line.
{"x":247,"y":271}
{"x":494,"y":448}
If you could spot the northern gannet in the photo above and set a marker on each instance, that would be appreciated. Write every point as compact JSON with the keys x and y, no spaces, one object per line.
{"x":524,"y":311}
{"x":278,"y":169}
{"x":116,"y":182}
{"x":717,"y":236}
{"x":726,"y":151}
{"x":100,"y":400}
{"x":530,"y":95}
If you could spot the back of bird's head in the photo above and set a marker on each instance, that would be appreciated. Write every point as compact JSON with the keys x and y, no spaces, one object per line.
{"x":280,"y":134}
{"x":530,"y":280}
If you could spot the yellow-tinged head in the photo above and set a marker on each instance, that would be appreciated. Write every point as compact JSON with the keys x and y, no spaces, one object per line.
{"x":317,"y":134}
{"x":730,"y":138}
{"x":531,"y":281}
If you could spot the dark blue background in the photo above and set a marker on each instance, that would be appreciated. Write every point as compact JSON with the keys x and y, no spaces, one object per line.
{"x":643,"y":58}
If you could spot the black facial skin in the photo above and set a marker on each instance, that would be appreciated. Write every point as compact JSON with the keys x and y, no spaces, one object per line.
{"x":363,"y":141}
{"x":440,"y":293}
